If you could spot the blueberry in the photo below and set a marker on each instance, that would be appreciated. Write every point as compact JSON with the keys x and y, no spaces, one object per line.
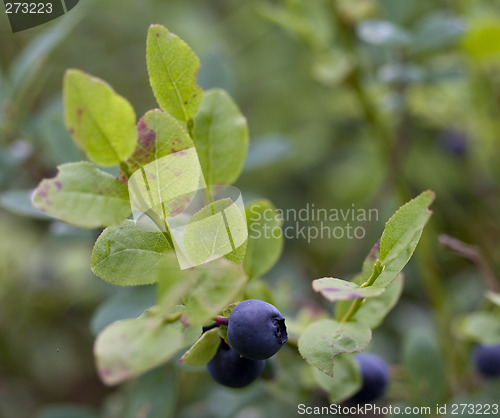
{"x":454,"y":142}
{"x":228,"y":368}
{"x":374,"y":377}
{"x":487,"y":360}
{"x":256,"y":329}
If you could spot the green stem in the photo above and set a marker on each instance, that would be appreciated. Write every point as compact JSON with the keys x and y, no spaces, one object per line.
{"x":357,"y":303}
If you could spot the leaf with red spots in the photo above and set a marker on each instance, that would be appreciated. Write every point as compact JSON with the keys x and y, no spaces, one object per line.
{"x":159,"y":135}
{"x":83,"y":195}
{"x":128,"y":348}
{"x":100,"y":121}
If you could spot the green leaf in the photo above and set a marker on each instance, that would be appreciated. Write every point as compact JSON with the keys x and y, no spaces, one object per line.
{"x":435,"y":31}
{"x":220,"y":135}
{"x":482,"y":39}
{"x":203,"y":350}
{"x":346,"y":380}
{"x":424,"y":367}
{"x":101,"y":122}
{"x":159,"y":135}
{"x":481,"y":327}
{"x":218,"y":284}
{"x":84,"y":196}
{"x":265,"y":238}
{"x":130,"y":302}
{"x":215,"y":230}
{"x":493,"y":297}
{"x":155,"y":392}
{"x":128,"y":348}
{"x":323,"y":340}
{"x":125,"y":255}
{"x":401,"y":235}
{"x":173,"y":284}
{"x":337,"y":289}
{"x":374,"y":309}
{"x":172,"y":68}
{"x":164,"y":188}
{"x":66,"y":411}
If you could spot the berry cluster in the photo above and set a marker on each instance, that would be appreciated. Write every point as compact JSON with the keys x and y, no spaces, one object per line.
{"x":256,"y":331}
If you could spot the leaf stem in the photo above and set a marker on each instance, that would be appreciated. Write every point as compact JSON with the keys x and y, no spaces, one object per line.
{"x":220,"y":320}
{"x":357,"y":303}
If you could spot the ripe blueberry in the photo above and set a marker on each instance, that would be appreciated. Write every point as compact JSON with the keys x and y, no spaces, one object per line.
{"x":256,"y":329}
{"x":374,"y":377}
{"x":487,"y":360}
{"x":228,"y":368}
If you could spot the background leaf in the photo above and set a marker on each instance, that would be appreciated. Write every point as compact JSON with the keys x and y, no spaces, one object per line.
{"x":424,"y":367}
{"x":172,"y":68}
{"x":323,"y":340}
{"x":125,"y":255}
{"x":99,"y":120}
{"x":83,"y":195}
{"x":19,"y":202}
{"x":154,"y":393}
{"x":220,"y":135}
{"x":481,"y":327}
{"x":345,"y":382}
{"x":265,"y":238}
{"x":129,"y":302}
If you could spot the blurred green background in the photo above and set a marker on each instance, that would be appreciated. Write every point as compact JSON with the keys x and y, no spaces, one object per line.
{"x":350,"y":103}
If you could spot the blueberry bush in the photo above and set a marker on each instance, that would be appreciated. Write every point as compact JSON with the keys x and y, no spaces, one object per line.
{"x":385,"y":105}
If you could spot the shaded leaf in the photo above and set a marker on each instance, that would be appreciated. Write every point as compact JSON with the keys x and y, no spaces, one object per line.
{"x":19,"y":202}
{"x":130,"y":302}
{"x":125,"y":255}
{"x":172,"y":68}
{"x":203,"y":350}
{"x":84,"y":196}
{"x":345,"y":382}
{"x":481,"y":327}
{"x":100,"y":121}
{"x":220,"y":135}
{"x":424,"y":367}
{"x":265,"y":238}
{"x":153,"y":395}
{"x":323,"y":340}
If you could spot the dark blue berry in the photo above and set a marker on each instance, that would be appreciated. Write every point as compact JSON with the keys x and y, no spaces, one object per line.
{"x":487,"y":360}
{"x":230,"y":369}
{"x":256,"y":329}
{"x":453,"y":142}
{"x":374,"y":377}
